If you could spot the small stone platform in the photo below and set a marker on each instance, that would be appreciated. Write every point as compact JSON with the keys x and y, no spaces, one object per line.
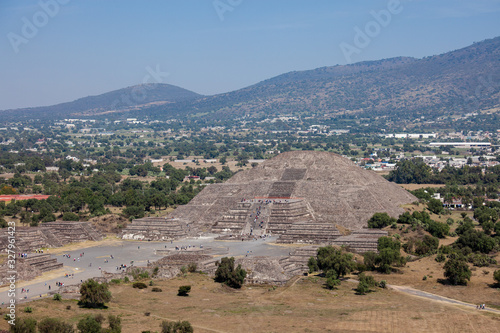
{"x":155,"y":229}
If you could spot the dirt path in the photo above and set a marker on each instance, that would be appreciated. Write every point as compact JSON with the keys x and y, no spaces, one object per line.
{"x":437,"y":298}
{"x":433,"y":297}
{"x":290,"y":285}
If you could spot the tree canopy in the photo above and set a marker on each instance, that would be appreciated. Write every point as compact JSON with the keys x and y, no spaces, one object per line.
{"x":94,"y":294}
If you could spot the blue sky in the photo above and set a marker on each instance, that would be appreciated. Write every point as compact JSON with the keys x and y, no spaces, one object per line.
{"x":87,"y":47}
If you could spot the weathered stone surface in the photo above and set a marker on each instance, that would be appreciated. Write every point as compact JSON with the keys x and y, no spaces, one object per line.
{"x":50,"y":234}
{"x":155,"y":228}
{"x":300,"y":195}
{"x":32,"y":266}
{"x":333,"y":189}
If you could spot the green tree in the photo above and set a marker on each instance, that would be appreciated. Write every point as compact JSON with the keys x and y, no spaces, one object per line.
{"x":413,"y":171}
{"x":464,"y":226}
{"x":380,"y":220}
{"x":389,"y":255}
{"x":435,"y":206}
{"x":476,"y":240}
{"x":370,"y":260}
{"x":332,"y":279}
{"x":437,"y":229}
{"x":457,"y":271}
{"x":226,"y":273}
{"x":94,"y":294}
{"x":330,"y":258}
{"x":386,"y":242}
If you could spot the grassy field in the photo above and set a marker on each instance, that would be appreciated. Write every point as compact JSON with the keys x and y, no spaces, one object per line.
{"x":303,"y":306}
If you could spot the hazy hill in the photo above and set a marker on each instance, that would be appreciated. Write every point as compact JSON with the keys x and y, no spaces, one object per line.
{"x":130,"y":98}
{"x":459,"y":81}
{"x":456,"y":82}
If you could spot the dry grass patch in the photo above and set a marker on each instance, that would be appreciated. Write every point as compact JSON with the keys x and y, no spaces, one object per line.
{"x":302,"y":307}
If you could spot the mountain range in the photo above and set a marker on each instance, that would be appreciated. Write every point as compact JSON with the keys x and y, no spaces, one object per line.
{"x":456,"y":82}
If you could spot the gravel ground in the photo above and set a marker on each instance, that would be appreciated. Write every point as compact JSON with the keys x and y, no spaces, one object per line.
{"x":94,"y":260}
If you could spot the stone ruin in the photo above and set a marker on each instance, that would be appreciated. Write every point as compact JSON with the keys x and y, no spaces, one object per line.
{"x":260,"y":270}
{"x":156,"y":229}
{"x":32,"y":266}
{"x":47,"y":235}
{"x":50,"y":234}
{"x":301,"y":196}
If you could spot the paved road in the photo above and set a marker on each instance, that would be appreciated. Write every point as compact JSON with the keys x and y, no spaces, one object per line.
{"x":124,"y":252}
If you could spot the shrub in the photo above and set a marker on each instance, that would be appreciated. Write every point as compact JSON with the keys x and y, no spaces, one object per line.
{"x":23,"y":325}
{"x":183,"y":269}
{"x":51,"y":325}
{"x":496,"y":277}
{"x":368,"y":279}
{"x":362,"y":288}
{"x":383,"y":284}
{"x":440,"y":257}
{"x":115,"y":281}
{"x":151,"y":283}
{"x":28,"y":309}
{"x":192,"y":267}
{"x":89,"y":324}
{"x":426,"y":246}
{"x":156,"y":290}
{"x":481,"y":260}
{"x":57,"y":297}
{"x":99,"y":318}
{"x":183,"y":291}
{"x":176,"y":327}
{"x":139,"y":285}
{"x":126,"y":279}
{"x":115,"y":324}
{"x":445,"y":249}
